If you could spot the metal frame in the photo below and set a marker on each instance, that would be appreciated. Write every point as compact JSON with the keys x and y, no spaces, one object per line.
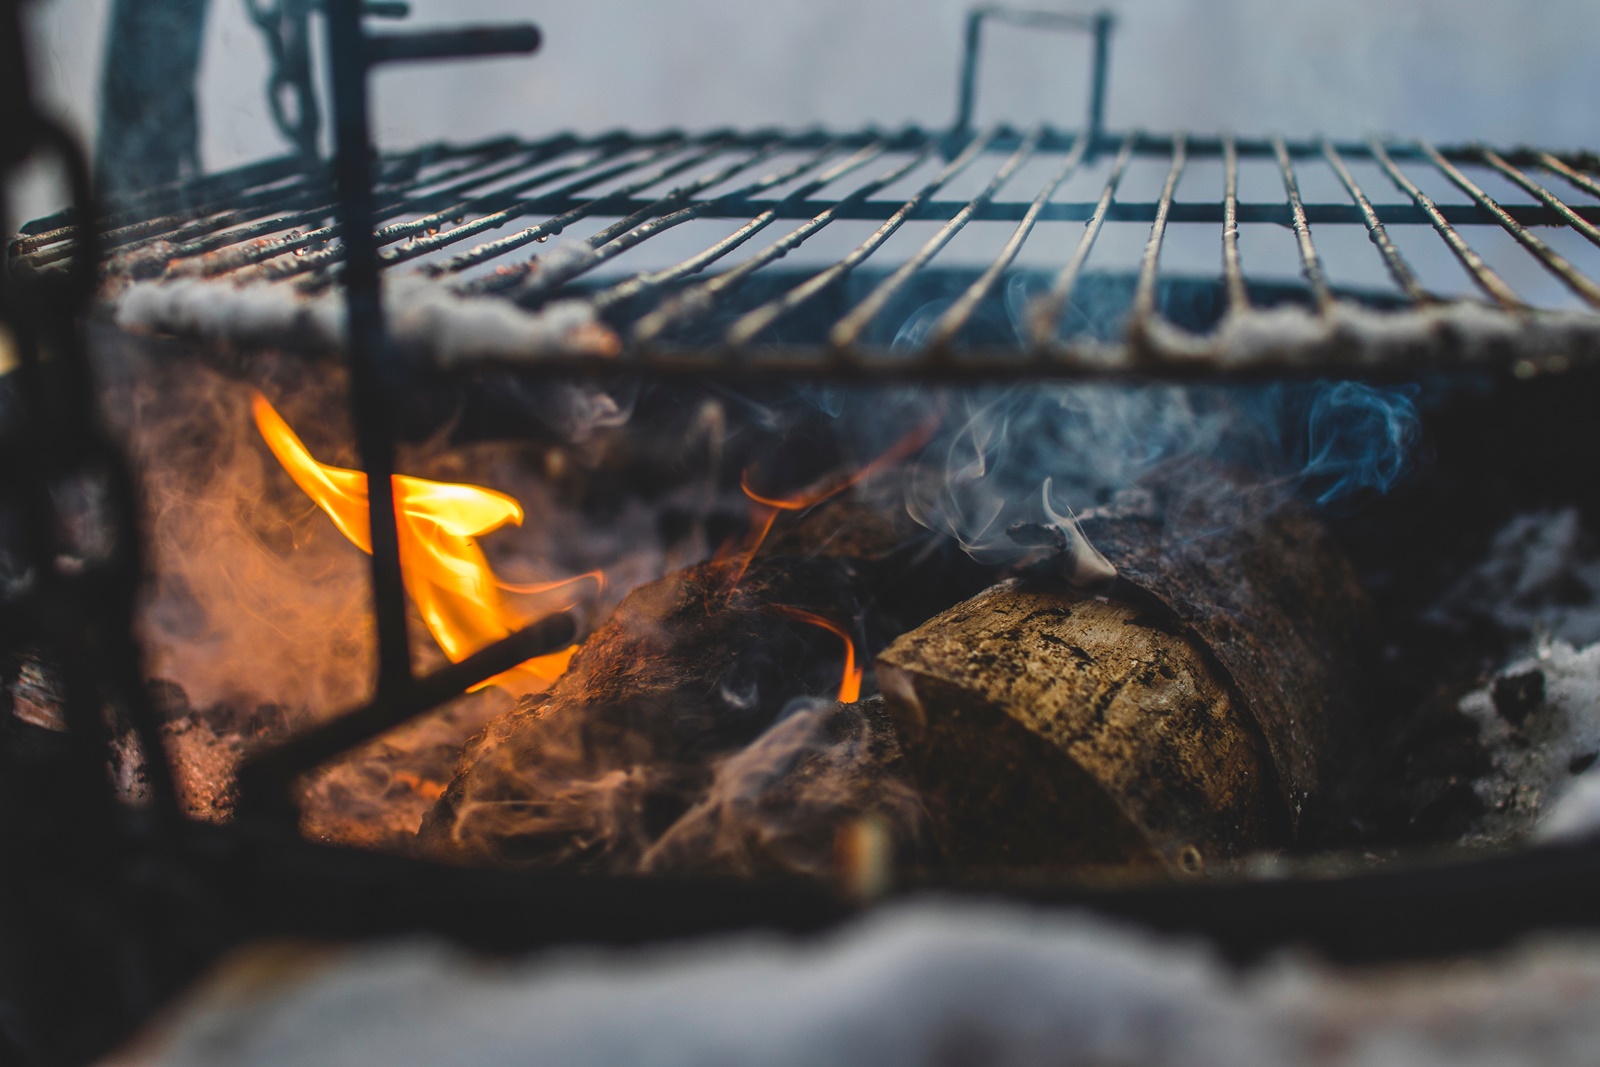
{"x":256,"y":876}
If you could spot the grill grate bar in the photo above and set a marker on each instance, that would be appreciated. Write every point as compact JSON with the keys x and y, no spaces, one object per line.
{"x":1144,"y":299}
{"x":1486,"y":277}
{"x":848,"y":329}
{"x":1046,"y":315}
{"x":1232,"y":269}
{"x":222,"y":253}
{"x":955,"y":319}
{"x":1553,"y":261}
{"x":1310,"y":262}
{"x":484,"y":252}
{"x":1399,"y":269}
{"x":1545,"y":196}
{"x":640,"y":226}
{"x":417,"y":246}
{"x":701,"y":300}
{"x":445,"y":211}
{"x":635,"y":287}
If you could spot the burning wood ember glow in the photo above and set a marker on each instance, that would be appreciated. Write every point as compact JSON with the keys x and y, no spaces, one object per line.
{"x":446,"y":573}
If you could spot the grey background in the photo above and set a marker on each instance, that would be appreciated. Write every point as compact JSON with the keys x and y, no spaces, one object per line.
{"x":1504,"y":71}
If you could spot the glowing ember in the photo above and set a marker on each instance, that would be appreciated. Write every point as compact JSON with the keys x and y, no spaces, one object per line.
{"x":850,"y":683}
{"x":446,"y":574}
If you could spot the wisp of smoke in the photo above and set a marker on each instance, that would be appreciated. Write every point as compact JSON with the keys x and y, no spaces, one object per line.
{"x":1026,"y":456}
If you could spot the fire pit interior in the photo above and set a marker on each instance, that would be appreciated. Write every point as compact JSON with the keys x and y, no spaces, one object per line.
{"x":1176,"y":522}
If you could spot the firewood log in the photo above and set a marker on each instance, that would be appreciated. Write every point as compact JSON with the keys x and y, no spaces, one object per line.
{"x":1183,"y":717}
{"x":591,"y":773}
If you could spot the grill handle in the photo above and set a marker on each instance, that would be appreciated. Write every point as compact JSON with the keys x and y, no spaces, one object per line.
{"x":1099,"y":23}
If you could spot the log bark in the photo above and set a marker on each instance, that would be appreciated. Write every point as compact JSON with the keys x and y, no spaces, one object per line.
{"x":1184,"y":717}
{"x":593,"y":772}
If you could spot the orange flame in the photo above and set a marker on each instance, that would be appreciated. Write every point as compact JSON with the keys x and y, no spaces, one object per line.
{"x":850,"y":683}
{"x":766,"y":509}
{"x":446,"y":574}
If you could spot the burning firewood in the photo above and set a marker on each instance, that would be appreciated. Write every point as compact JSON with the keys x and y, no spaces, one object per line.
{"x":1182,"y":718}
{"x":684,"y":674}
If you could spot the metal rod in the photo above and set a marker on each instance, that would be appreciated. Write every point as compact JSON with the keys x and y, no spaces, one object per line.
{"x":639,"y":227}
{"x":636,"y":286}
{"x":848,"y":329}
{"x":553,"y":226}
{"x":1045,"y":315}
{"x":1144,"y":297}
{"x":1100,"y":24}
{"x":1552,"y":260}
{"x":957,"y":315}
{"x":1573,"y":175}
{"x":1399,"y":269}
{"x":702,"y":298}
{"x":1232,"y":271}
{"x":1481,"y":272}
{"x":512,"y":195}
{"x":367,"y":339}
{"x":1310,"y":262}
{"x":1545,"y":196}
{"x":264,"y":781}
{"x":461,"y":43}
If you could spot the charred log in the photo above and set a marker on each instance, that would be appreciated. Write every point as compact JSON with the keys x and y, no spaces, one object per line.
{"x":687,"y":672}
{"x":1185,"y":717}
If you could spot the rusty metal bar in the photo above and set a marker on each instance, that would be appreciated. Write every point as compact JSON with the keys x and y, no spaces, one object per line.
{"x":551,"y":227}
{"x":958,"y":314}
{"x":1552,"y":260}
{"x":263,"y":782}
{"x":1489,"y":281}
{"x":848,"y":329}
{"x":658,"y":218}
{"x":1232,"y":270}
{"x":1399,"y":269}
{"x":1310,"y":262}
{"x":1144,"y":297}
{"x":1543,"y":195}
{"x":1572,"y":174}
{"x":701,"y":299}
{"x":642,"y":283}
{"x":1045,"y":315}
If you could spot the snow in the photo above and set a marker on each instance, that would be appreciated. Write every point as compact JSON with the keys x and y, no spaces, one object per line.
{"x":924,"y":983}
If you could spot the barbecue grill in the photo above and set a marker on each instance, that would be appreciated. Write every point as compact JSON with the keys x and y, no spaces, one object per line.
{"x":263,"y":256}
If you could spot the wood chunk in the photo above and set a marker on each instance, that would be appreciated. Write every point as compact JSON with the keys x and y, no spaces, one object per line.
{"x":593,"y":771}
{"x":1183,"y":719}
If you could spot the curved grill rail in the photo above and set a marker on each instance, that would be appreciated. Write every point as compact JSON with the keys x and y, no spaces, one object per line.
{"x":467,"y":217}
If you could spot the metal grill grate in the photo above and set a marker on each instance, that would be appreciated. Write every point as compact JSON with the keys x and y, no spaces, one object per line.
{"x":665,"y":282}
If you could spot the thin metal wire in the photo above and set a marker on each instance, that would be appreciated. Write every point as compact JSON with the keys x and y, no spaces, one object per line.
{"x":1144,"y":298}
{"x":1549,"y":257}
{"x":640,"y":227}
{"x":702,"y":298}
{"x":1545,"y":196}
{"x":848,"y":329}
{"x":638,"y":285}
{"x":551,"y":227}
{"x":1046,"y":312}
{"x":223,"y":253}
{"x":1310,"y":262}
{"x":1489,"y":281}
{"x":1399,"y":269}
{"x":955,"y":319}
{"x":1573,"y":175}
{"x":1232,"y":270}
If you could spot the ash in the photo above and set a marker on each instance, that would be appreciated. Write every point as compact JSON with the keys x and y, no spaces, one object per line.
{"x":1538,"y":716}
